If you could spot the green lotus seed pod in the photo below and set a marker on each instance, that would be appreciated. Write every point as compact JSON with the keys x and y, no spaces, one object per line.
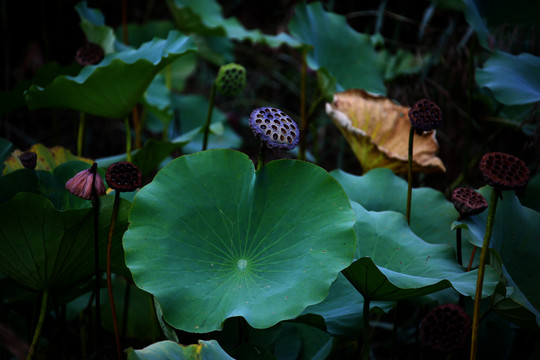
{"x":231,"y":79}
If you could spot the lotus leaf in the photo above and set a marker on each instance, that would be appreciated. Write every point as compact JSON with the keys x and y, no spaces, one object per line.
{"x":113,"y":87}
{"x":58,"y":252}
{"x":394,"y":264}
{"x":213,"y":239}
{"x":515,"y":237}
{"x":47,"y":158}
{"x":319,"y":29}
{"x":378,"y":132}
{"x":168,"y":350}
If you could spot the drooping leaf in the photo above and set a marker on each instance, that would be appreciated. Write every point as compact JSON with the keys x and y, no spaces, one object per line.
{"x":44,"y":248}
{"x":47,"y":158}
{"x":212,"y":239}
{"x":393,"y":263}
{"x":113,"y":87}
{"x":378,"y":132}
{"x":513,"y":79}
{"x":168,"y":350}
{"x":515,"y":237}
{"x":303,"y":342}
{"x":352,"y":60}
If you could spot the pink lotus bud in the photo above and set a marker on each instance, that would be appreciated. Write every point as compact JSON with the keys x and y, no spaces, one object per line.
{"x":81,"y":184}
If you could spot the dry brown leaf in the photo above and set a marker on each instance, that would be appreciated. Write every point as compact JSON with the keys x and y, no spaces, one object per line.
{"x":378,"y":132}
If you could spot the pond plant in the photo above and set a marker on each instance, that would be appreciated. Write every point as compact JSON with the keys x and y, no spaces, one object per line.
{"x":232,"y":231}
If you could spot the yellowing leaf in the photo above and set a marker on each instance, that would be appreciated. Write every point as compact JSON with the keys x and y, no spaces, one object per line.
{"x":378,"y":132}
{"x":47,"y":158}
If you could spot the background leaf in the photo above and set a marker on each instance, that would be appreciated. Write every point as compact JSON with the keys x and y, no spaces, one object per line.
{"x":210,"y":238}
{"x":113,"y":87}
{"x":351,"y":60}
{"x":168,"y":350}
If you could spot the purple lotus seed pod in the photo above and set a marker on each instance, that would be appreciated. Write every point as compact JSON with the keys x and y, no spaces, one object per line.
{"x":468,"y":202}
{"x":89,"y":54}
{"x":504,"y":171}
{"x":425,"y":115}
{"x":445,"y":328}
{"x":81,"y":184}
{"x":123,"y":176}
{"x":275,"y":128}
{"x":28,"y":159}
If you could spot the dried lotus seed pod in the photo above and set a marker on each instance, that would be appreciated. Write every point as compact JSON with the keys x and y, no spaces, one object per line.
{"x":425,"y":115}
{"x":504,"y":171}
{"x":468,"y":202}
{"x":123,"y":176}
{"x":89,"y":54}
{"x":28,"y":159}
{"x":445,"y":328}
{"x":275,"y":128}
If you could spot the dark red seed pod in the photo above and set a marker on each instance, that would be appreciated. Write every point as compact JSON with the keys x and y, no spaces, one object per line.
{"x":28,"y":159}
{"x":425,"y":115}
{"x":123,"y":176}
{"x":468,"y":202}
{"x":89,"y":54}
{"x":275,"y":128}
{"x":504,"y":171}
{"x":445,"y":328}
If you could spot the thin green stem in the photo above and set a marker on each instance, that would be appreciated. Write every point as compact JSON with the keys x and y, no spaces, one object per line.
{"x":260,"y":159}
{"x":128,"y":139}
{"x":481,"y":272}
{"x":109,"y":275}
{"x":365,"y":347}
{"x":41,"y":319}
{"x":303,"y":117}
{"x":209,"y":116}
{"x":409,"y":175}
{"x":80,"y":134}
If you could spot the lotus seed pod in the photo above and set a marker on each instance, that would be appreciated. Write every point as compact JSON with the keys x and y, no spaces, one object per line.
{"x":89,"y":54}
{"x":468,"y":202}
{"x":445,"y":328}
{"x":123,"y":176}
{"x":504,"y":171}
{"x":231,"y":79}
{"x":425,"y":115}
{"x":275,"y":128}
{"x":81,"y":184}
{"x":28,"y":159}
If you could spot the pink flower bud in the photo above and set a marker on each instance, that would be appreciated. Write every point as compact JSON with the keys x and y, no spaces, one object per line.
{"x":81,"y":184}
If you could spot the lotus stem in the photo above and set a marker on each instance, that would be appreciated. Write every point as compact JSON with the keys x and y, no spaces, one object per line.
{"x":128,"y":139}
{"x":481,"y":272}
{"x":260,"y":160}
{"x":97,"y":273}
{"x":109,"y":275}
{"x":209,"y":116}
{"x":80,"y":134}
{"x":409,"y":175}
{"x":303,"y":117}
{"x":472,"y":258}
{"x":365,"y":347}
{"x":39,"y":326}
{"x":458,"y":246}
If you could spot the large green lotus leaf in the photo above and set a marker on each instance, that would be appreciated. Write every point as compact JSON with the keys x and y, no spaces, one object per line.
{"x":205,"y":17}
{"x":43,"y":248}
{"x":531,"y":198}
{"x":212,"y":239}
{"x":380,"y":190}
{"x":168,"y":350}
{"x":513,"y":79}
{"x":515,"y":236}
{"x":393,"y":263}
{"x":342,"y":309}
{"x":352,"y":60}
{"x":112,"y":88}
